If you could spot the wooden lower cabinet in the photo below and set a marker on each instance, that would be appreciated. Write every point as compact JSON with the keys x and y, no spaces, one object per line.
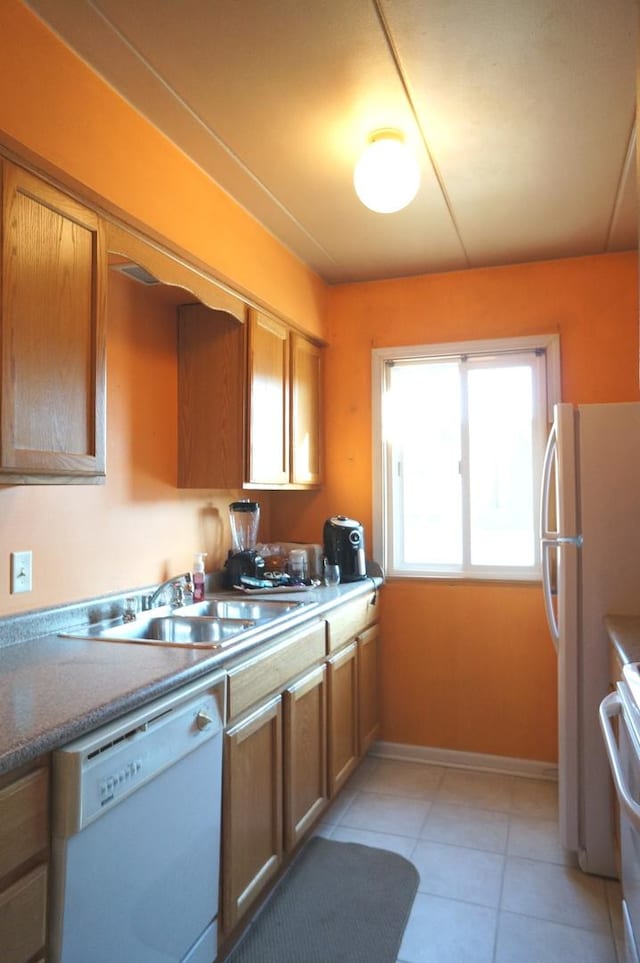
{"x":368,"y":691}
{"x":24,"y":855}
{"x":342,"y":716}
{"x":300,"y":721}
{"x":252,"y":809}
{"x":305,"y":770}
{"x":23,"y":912}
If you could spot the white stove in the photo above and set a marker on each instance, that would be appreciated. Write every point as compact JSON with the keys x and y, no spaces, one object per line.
{"x":624,"y":761}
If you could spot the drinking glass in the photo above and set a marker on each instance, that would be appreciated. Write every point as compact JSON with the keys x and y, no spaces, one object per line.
{"x":331,"y":574}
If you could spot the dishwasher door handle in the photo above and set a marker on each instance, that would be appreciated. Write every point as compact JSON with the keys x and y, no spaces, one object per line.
{"x":203,"y":720}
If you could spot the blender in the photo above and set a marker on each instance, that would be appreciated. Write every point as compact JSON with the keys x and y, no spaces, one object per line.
{"x":244,"y":563}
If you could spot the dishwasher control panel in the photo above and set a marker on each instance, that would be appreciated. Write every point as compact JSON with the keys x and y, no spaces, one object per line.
{"x":99,"y":770}
{"x":109,"y":786}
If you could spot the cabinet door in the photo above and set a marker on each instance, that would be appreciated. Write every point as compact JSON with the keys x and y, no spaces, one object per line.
{"x":305,"y":412}
{"x":343,"y":716}
{"x":24,"y":820}
{"x":252,"y":809}
{"x":23,"y":913}
{"x":368,"y":702}
{"x":211,"y":383}
{"x":24,"y":854}
{"x":305,"y":759}
{"x":53,"y":335}
{"x":268,"y":401}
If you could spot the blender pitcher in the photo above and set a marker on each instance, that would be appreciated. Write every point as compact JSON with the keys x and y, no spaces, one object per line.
{"x":244,"y":517}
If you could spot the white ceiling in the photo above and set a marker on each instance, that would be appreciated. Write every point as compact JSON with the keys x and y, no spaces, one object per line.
{"x":522,"y":113}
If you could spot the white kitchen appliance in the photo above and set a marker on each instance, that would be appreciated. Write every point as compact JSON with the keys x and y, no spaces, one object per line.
{"x":624,"y":759}
{"x":136,"y":834}
{"x":590,"y":538}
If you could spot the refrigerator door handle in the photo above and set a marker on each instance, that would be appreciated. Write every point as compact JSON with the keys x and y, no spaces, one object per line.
{"x":545,"y":493}
{"x":611,"y":706}
{"x":547,"y":545}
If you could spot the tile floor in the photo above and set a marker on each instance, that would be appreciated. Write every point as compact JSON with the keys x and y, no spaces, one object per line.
{"x":495,"y":885}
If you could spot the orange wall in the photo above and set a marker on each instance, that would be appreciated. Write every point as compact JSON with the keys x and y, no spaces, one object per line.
{"x":138,"y":528}
{"x":53,"y":106}
{"x":465,"y":665}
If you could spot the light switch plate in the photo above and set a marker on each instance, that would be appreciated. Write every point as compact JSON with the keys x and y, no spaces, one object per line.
{"x":21,"y":572}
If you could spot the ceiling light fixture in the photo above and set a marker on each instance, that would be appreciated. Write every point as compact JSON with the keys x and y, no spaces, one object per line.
{"x":387,"y":176}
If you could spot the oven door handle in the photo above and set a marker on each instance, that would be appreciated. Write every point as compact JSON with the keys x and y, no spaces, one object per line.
{"x":611,"y":706}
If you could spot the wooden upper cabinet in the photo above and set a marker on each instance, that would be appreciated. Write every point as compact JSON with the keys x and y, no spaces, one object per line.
{"x":268,"y":401}
{"x":249,"y":402}
{"x":52,"y":423}
{"x":306,"y":379}
{"x":211,"y":426}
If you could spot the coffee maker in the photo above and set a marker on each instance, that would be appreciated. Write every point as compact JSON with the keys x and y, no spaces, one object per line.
{"x":243,"y":560}
{"x":344,"y":546}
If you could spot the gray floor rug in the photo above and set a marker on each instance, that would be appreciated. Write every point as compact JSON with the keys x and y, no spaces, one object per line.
{"x":339,"y":903}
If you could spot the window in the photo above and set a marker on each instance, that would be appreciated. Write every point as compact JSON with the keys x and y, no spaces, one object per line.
{"x":459,"y":436}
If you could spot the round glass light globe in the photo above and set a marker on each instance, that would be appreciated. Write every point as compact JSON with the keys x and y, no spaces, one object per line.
{"x":387,"y":176}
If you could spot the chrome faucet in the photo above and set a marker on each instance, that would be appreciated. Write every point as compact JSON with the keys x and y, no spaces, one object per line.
{"x":176,"y":583}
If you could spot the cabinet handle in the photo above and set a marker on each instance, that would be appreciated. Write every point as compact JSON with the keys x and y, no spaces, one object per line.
{"x":343,"y":655}
{"x":307,"y":681}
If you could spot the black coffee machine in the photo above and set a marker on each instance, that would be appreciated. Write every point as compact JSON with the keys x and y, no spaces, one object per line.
{"x":344,"y":546}
{"x":243,"y":560}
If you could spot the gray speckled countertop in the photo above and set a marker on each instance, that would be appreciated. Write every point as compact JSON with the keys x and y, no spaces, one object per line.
{"x":624,"y":632}
{"x":54,"y":689}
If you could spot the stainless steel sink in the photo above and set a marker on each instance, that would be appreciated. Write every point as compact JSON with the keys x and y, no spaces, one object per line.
{"x":213,"y":624}
{"x":210,"y":633}
{"x":258,"y":610}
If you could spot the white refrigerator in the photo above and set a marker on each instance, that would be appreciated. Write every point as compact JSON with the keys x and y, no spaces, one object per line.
{"x":590,"y":542}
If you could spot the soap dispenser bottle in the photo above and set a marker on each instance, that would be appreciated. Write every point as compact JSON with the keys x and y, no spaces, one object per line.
{"x":198,"y":576}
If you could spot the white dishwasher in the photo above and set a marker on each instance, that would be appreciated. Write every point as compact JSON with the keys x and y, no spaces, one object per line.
{"x":136,"y":834}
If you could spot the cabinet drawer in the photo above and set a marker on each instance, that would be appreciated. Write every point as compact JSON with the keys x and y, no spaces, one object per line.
{"x":272,"y":670}
{"x":24,"y":808}
{"x":346,"y":621}
{"x":22,"y":917}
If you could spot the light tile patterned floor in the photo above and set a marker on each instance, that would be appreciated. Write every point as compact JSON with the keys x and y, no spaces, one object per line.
{"x":495,"y":884}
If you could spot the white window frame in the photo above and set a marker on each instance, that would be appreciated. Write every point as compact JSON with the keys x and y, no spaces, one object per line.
{"x":548,"y":344}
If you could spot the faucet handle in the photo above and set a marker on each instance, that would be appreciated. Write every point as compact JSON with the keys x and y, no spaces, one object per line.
{"x":130,"y":610}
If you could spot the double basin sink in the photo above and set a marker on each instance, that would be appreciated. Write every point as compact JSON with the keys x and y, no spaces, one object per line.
{"x":212,"y":624}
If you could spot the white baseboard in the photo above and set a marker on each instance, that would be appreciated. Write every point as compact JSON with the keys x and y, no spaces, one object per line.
{"x":432,"y":756}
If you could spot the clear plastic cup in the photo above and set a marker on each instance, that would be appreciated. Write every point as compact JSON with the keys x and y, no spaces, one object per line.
{"x":297,"y":564}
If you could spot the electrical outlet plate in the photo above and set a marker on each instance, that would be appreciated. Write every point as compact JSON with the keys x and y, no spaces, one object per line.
{"x":20,"y":572}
